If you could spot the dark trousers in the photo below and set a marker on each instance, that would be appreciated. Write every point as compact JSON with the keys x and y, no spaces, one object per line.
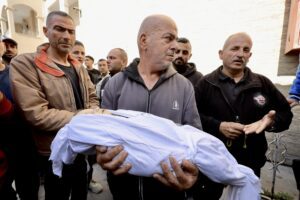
{"x":204,"y":188}
{"x":73,"y":182}
{"x":6,"y":190}
{"x":22,"y":166}
{"x":91,"y":161}
{"x":26,"y":174}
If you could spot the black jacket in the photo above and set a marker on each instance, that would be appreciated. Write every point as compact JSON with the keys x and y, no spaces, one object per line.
{"x":256,"y":99}
{"x":191,"y":73}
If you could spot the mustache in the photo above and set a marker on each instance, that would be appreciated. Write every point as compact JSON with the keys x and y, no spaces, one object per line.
{"x":65,"y":41}
{"x":8,"y":51}
{"x":179,"y":59}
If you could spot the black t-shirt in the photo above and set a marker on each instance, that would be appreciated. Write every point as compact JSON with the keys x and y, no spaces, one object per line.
{"x":94,"y":75}
{"x":73,"y":77}
{"x":230,"y":88}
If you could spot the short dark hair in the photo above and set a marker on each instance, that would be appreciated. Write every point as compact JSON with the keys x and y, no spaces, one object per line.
{"x":90,"y":57}
{"x":102,"y":59}
{"x":124,"y":54}
{"x":9,"y":41}
{"x":78,"y":43}
{"x":59,"y":13}
{"x":183,"y":40}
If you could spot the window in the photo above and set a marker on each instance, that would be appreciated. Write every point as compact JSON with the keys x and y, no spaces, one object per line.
{"x":293,"y":34}
{"x":25,"y":20}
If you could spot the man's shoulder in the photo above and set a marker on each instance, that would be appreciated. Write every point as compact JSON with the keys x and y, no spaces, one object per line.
{"x":27,"y":56}
{"x":181,"y":80}
{"x":256,"y":77}
{"x":117,"y":79}
{"x":95,"y":71}
{"x":22,"y":58}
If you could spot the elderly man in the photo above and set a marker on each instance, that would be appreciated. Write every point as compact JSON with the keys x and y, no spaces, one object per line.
{"x":238,"y":106}
{"x":151,"y":85}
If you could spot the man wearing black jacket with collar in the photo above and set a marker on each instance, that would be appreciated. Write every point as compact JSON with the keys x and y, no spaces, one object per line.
{"x":238,"y":106}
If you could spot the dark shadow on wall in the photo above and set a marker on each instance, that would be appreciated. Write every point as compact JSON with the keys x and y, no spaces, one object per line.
{"x":287,"y":64}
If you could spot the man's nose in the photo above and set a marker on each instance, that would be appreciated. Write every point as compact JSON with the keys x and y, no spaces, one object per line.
{"x":240,"y":53}
{"x":66,"y":34}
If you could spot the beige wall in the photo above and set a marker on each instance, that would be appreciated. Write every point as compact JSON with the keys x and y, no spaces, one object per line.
{"x":28,"y":43}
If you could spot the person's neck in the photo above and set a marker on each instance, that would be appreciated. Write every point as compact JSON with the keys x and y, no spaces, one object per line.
{"x":6,"y":60}
{"x":89,"y":67}
{"x":61,"y":59}
{"x":149,"y":76}
{"x":180,"y":68}
{"x":236,"y":75}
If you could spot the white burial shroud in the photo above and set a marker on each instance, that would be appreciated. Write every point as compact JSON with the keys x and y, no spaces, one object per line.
{"x":150,"y":140}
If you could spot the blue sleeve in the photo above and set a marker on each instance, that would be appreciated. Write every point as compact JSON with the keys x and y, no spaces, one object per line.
{"x":294,"y":92}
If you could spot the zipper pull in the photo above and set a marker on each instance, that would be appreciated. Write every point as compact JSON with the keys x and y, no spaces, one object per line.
{"x":237,"y":119}
{"x":245,"y":144}
{"x":229,"y":143}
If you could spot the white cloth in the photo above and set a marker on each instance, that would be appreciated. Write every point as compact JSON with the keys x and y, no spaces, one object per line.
{"x":149,"y":140}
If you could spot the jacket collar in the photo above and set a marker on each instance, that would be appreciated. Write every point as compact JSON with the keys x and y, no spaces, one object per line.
{"x":132,"y":72}
{"x":217,"y":76}
{"x":45,"y":64}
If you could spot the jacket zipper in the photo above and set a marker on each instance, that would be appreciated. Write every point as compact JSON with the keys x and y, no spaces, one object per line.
{"x":141,"y":188}
{"x":237,"y":119}
{"x":141,"y":185}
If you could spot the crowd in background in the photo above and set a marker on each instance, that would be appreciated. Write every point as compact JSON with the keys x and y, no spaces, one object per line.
{"x":40,"y":92}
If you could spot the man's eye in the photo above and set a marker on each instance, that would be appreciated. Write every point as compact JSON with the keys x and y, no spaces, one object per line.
{"x":60,"y":29}
{"x":72,"y":32}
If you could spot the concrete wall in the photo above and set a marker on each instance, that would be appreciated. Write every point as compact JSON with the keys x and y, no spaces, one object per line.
{"x":28,"y":43}
{"x":207,"y":23}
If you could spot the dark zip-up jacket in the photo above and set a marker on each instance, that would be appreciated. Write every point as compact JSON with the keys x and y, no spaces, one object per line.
{"x":191,"y":73}
{"x":255,"y":100}
{"x":172,"y":97}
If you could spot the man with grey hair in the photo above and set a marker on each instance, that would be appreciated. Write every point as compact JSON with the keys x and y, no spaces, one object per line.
{"x":150,"y":84}
{"x":238,"y":106}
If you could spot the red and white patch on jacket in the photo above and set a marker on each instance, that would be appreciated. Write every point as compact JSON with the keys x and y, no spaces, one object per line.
{"x":260,"y":100}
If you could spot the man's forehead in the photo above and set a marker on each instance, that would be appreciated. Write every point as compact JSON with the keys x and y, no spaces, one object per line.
{"x":63,"y":22}
{"x":10,"y":44}
{"x":239,"y":40}
{"x":181,"y":45}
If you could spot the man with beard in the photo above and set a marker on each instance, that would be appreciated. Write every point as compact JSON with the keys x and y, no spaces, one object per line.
{"x":11,"y":50}
{"x":183,"y":54}
{"x":49,"y":88}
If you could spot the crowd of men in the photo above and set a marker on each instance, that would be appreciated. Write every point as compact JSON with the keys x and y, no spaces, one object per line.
{"x":40,"y":92}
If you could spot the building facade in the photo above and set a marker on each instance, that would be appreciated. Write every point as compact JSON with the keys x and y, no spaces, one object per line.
{"x":23,"y":20}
